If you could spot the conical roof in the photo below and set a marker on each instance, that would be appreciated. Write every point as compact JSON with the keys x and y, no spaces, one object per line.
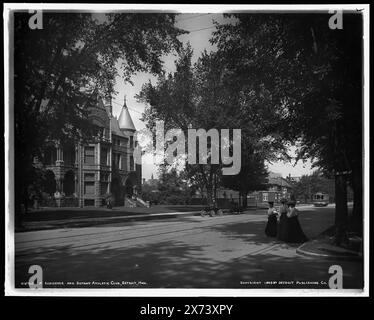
{"x":124,"y":120}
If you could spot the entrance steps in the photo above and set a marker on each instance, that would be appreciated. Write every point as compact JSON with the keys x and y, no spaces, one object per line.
{"x":139,"y":202}
{"x":130,"y":203}
{"x":142,"y":203}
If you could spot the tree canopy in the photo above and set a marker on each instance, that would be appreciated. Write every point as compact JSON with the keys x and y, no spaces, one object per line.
{"x":61,"y":69}
{"x":206,"y":96}
{"x":311,"y":184}
{"x":309,"y":76}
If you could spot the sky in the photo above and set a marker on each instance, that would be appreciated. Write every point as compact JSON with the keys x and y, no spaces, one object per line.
{"x":200,"y":26}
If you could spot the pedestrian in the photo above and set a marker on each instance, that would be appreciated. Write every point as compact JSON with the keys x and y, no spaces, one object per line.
{"x":282,"y":226}
{"x":109,"y":203}
{"x":271,"y":226}
{"x":295,"y":233}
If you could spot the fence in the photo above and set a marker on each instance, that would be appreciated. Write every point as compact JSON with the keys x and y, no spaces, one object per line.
{"x":53,"y":202}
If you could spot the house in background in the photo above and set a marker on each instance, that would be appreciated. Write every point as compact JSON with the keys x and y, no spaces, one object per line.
{"x":293,"y":179}
{"x":84,"y":175}
{"x":278,"y":188}
{"x":279,"y":184}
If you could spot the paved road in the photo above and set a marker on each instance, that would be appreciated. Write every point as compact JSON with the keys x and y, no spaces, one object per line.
{"x":190,"y":252}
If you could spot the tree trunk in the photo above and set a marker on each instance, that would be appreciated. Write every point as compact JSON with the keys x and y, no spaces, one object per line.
{"x":357,"y":215}
{"x":18,"y":214}
{"x":20,"y":208}
{"x":209,"y":195}
{"x":21,"y":194}
{"x":341,"y":210}
{"x":245,"y":203}
{"x":215,"y":189}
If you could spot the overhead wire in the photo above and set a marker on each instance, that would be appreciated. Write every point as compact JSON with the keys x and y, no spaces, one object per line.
{"x":202,"y":29}
{"x":194,"y":17}
{"x":128,"y":107}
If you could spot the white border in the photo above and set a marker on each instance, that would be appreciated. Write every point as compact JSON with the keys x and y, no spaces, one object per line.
{"x":9,"y":228}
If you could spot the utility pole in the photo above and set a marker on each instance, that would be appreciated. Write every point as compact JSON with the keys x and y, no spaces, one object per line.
{"x":80,"y":180}
{"x":215,"y":188}
{"x":309,"y":192}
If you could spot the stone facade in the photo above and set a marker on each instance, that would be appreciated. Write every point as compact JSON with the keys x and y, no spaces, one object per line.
{"x":85,"y":175}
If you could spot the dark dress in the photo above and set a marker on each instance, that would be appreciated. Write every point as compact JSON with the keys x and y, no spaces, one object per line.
{"x":294,"y":232}
{"x":271,"y":226}
{"x":283,"y":227}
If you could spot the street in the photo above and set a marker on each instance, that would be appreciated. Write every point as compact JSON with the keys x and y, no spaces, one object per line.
{"x":230,"y":251}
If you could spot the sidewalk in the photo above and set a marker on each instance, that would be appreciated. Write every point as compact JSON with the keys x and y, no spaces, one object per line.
{"x":323,"y":247}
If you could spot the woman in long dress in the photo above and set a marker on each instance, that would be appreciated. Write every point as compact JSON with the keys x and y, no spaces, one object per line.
{"x":295,"y":233}
{"x":271,"y":226}
{"x":282,"y":226}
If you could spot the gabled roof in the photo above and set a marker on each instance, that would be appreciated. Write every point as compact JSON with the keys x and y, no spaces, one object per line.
{"x":279,"y":181}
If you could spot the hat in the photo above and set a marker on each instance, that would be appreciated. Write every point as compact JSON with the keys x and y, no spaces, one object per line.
{"x":291,"y":202}
{"x":283,"y":200}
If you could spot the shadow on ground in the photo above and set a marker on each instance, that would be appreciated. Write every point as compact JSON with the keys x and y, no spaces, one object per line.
{"x":79,"y":213}
{"x":178,"y":264}
{"x":78,"y":218}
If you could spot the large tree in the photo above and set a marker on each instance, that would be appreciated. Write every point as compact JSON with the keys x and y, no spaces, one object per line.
{"x":252,"y":176}
{"x":311,"y":76}
{"x":174,"y":101}
{"x":313,"y":183}
{"x":204,"y":95}
{"x":60,"y":70}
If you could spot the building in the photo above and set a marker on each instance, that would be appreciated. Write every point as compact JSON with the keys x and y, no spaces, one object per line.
{"x":278,"y":188}
{"x":85,"y":175}
{"x":293,"y":179}
{"x":152,"y":182}
{"x":277,"y":183}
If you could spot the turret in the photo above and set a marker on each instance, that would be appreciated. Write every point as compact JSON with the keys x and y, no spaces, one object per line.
{"x":125,"y":122}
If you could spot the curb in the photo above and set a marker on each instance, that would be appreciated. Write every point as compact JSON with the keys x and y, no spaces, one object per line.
{"x":61,"y":224}
{"x":301,"y":251}
{"x":88,"y":222}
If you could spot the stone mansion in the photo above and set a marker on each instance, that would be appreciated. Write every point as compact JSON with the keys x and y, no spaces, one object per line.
{"x":84,"y":175}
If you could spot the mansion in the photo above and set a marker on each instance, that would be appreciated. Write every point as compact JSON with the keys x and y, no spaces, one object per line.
{"x":85,"y":175}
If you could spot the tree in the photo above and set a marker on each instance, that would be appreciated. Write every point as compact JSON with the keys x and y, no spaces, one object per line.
{"x":60,"y":70}
{"x":174,"y":100}
{"x":252,"y":176}
{"x":311,"y":77}
{"x":173,"y":188}
{"x":205,"y":96}
{"x":313,"y":183}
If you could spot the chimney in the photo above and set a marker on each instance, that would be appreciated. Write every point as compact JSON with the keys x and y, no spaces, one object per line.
{"x":108,"y":104}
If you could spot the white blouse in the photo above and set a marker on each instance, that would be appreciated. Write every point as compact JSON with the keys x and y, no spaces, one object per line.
{"x":293,"y":212}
